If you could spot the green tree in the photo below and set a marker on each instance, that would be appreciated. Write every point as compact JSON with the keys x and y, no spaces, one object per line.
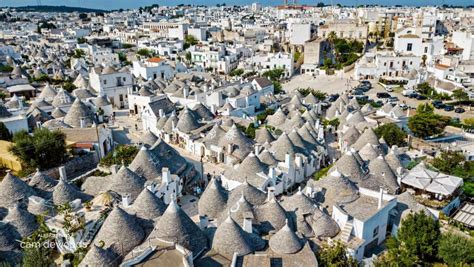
{"x":425,"y":88}
{"x":69,"y":86}
{"x":425,"y":123}
{"x":392,"y":134}
{"x":188,"y":56}
{"x":250,"y":131}
{"x":456,"y":250}
{"x":274,"y":74}
{"x":419,"y":234}
{"x":79,"y":53}
{"x":236,"y":72}
{"x":448,"y":161}
{"x":5,"y":133}
{"x":122,"y":154}
{"x":460,"y":94}
{"x":335,"y":255}
{"x":396,"y":254}
{"x":469,"y":122}
{"x":81,"y":40}
{"x":44,"y":149}
{"x":277,"y":88}
{"x":34,"y":255}
{"x":144,"y":52}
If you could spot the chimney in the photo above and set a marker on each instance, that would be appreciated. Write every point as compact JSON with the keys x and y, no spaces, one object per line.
{"x":271,"y":172}
{"x":166,"y":176}
{"x":287,"y":160}
{"x":299,"y":162}
{"x":248,"y":222}
{"x":161,"y":113}
{"x":126,"y":200}
{"x":380,"y":198}
{"x":82,"y":123}
{"x":257,"y":149}
{"x":203,"y":222}
{"x":270,"y":193}
{"x":185,"y":91}
{"x":229,"y":148}
{"x":62,"y":173}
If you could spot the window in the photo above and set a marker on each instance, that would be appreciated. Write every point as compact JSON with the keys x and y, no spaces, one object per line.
{"x":409,"y":46}
{"x":124,"y":79}
{"x":391,"y":64}
{"x":376,"y":231}
{"x":426,"y":50}
{"x":105,"y":81}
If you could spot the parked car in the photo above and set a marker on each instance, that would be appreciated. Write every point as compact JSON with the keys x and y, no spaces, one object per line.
{"x":383,"y":95}
{"x":439,"y":105}
{"x":412,"y":95}
{"x":448,"y":108}
{"x":420,"y":97}
{"x":357,"y":92}
{"x":408,"y":92}
{"x":332,"y":98}
{"x":459,"y":110}
{"x":393,"y":99}
{"x":366,"y":84}
{"x":403,"y":106}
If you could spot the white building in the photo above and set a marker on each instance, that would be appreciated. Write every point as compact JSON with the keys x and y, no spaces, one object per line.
{"x":300,"y":33}
{"x":465,"y":40}
{"x":111,"y":83}
{"x":285,"y":61}
{"x":386,"y":64}
{"x":152,"y":69}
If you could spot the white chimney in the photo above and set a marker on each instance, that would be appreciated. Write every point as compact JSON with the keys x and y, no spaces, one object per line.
{"x":62,"y":173}
{"x":203,"y":222}
{"x":287,"y":160}
{"x":229,"y":148}
{"x":257,"y":149}
{"x":126,"y":200}
{"x":82,"y":123}
{"x":166,"y":176}
{"x":271,"y":173}
{"x":248,"y":224}
{"x":380,"y":199}
{"x":270,"y":193}
{"x":161,"y":113}
{"x":185,"y":91}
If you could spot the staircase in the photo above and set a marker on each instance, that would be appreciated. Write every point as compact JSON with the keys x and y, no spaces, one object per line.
{"x":346,"y":231}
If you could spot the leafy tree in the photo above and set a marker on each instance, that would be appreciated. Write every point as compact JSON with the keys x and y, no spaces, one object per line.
{"x":122,"y":154}
{"x":447,"y":161}
{"x":81,"y":40}
{"x":83,"y":16}
{"x":396,"y":254}
{"x":6,"y":68}
{"x":190,"y":39}
{"x":469,"y":122}
{"x":277,"y":88}
{"x":188,"y":56}
{"x":44,"y":149}
{"x":297,"y":55}
{"x":392,"y":134}
{"x":127,"y":46}
{"x":250,"y":131}
{"x":263,"y":116}
{"x":335,"y":255}
{"x":425,"y":123}
{"x":460,"y":94}
{"x":236,"y":72}
{"x":456,"y":250}
{"x":419,"y":234}
{"x":274,"y":74}
{"x":144,"y":52}
{"x":36,"y":251}
{"x":5,"y":133}
{"x":79,"y":53}
{"x":69,"y":86}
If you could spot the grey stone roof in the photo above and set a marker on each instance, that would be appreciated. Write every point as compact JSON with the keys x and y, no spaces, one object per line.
{"x":263,"y":135}
{"x":101,"y":101}
{"x":78,"y":111}
{"x":58,"y":113}
{"x":23,"y":221}
{"x":282,"y":146}
{"x":251,"y":194}
{"x":266,"y":157}
{"x":248,"y":170}
{"x":8,"y":237}
{"x":163,"y":103}
{"x":97,"y":256}
{"x":238,"y":211}
{"x":148,"y":138}
{"x":350,"y":167}
{"x":214,"y":135}
{"x":176,"y":226}
{"x":393,"y":161}
{"x":144,"y":91}
{"x":242,"y":145}
{"x":125,"y":181}
{"x":83,"y":93}
{"x":168,"y":157}
{"x":351,"y":135}
{"x":43,"y":181}
{"x":63,"y":98}
{"x":203,"y":112}
{"x":146,"y":164}
{"x":368,"y":136}
{"x":337,"y":189}
{"x":381,"y":171}
{"x":160,"y":123}
{"x":120,"y":230}
{"x":147,"y":206}
{"x":323,"y":225}
{"x":277,"y":119}
{"x":187,"y":122}
{"x":170,"y":123}
{"x":310,"y":99}
{"x":4,"y":113}
{"x":13,"y":190}
{"x":213,"y":200}
{"x":47,"y":93}
{"x":271,"y":216}
{"x":299,"y":203}
{"x":285,"y":241}
{"x":368,"y":152}
{"x":230,"y":238}
{"x":65,"y":192}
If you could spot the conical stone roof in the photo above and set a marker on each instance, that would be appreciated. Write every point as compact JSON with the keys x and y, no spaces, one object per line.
{"x":42,"y":181}
{"x":97,"y":256}
{"x":148,"y":206}
{"x":65,"y":192}
{"x":121,"y":230}
{"x":78,"y":111}
{"x":146,"y":164}
{"x":213,"y":200}
{"x":176,"y":226}
{"x":271,"y":216}
{"x":13,"y":190}
{"x":23,"y":221}
{"x":285,"y":241}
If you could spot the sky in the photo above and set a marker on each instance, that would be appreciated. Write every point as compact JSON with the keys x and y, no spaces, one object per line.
{"x":116,"y":4}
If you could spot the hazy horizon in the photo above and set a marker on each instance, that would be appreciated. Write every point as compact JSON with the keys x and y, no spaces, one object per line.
{"x":117,"y":4}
